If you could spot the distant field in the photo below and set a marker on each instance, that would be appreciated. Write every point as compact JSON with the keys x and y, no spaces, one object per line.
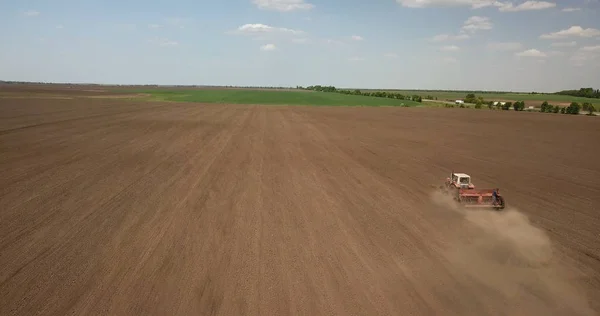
{"x":529,"y":99}
{"x":271,"y":97}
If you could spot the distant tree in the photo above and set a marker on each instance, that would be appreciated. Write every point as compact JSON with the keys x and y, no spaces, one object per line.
{"x":556,"y":109}
{"x":479,"y":104}
{"x":574,"y":108}
{"x":416,"y":98}
{"x":519,"y":106}
{"x":470,"y":98}
{"x":583,"y":92}
{"x":506,"y":106}
{"x":585,"y":106}
{"x":591,"y":110}
{"x":563,"y":110}
{"x":545,"y":107}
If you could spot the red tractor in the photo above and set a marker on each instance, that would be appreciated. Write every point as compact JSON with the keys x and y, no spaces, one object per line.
{"x":464,"y":192}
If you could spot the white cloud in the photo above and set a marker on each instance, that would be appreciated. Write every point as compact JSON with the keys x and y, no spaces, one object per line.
{"x":450,"y":48}
{"x":126,"y":26}
{"x":264,"y":29}
{"x":357,"y":38}
{"x":594,"y":49}
{"x":283,"y":5}
{"x":531,"y":53}
{"x":31,"y":13}
{"x":478,"y":4}
{"x":578,"y":60}
{"x":178,"y":22}
{"x":300,"y":40}
{"x":476,"y":23}
{"x":446,"y":37}
{"x":573,"y":31}
{"x":60,"y":27}
{"x":586,"y":56}
{"x":555,"y":53}
{"x":564,"y":44}
{"x":163,"y":42}
{"x":390,"y":55}
{"x":268,"y":47}
{"x":471,"y":25}
{"x":449,"y":60}
{"x":169,"y":43}
{"x":504,"y":46}
{"x":571,"y":9}
{"x":172,"y":22}
{"x":525,"y":6}
{"x":332,"y":41}
{"x":444,"y":3}
{"x":356,"y":58}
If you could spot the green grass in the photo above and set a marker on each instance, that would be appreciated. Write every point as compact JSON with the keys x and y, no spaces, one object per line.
{"x":450,"y":95}
{"x":247,"y":96}
{"x":427,"y":103}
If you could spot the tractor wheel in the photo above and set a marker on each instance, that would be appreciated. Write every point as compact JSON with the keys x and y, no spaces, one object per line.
{"x":501,"y":204}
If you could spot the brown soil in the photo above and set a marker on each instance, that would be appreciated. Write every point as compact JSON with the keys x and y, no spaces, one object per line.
{"x":118,"y":207}
{"x":100,"y":90}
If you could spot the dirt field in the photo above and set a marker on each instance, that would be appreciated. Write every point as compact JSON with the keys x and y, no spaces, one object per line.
{"x":115,"y":207}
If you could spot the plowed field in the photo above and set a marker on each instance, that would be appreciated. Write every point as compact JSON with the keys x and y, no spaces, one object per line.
{"x":119,"y":207}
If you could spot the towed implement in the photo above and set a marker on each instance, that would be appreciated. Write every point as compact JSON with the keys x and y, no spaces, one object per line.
{"x":465,"y":193}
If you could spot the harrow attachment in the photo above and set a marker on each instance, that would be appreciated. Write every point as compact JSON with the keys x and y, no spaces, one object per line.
{"x":465,"y":193}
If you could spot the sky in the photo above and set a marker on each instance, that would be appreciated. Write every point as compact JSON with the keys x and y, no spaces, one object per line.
{"x":541,"y":46}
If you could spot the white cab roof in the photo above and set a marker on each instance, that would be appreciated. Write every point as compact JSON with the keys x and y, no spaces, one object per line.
{"x":461,"y":175}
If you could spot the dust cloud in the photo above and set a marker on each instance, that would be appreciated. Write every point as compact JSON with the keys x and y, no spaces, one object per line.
{"x":505,"y":254}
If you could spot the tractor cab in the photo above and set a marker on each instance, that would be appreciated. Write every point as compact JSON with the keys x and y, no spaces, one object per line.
{"x":462,"y":181}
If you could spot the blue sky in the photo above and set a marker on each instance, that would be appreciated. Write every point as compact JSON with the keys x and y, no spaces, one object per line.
{"x":405,"y":44}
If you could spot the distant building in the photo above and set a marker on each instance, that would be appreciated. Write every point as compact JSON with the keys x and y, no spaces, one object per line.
{"x":460,"y":102}
{"x":501,"y":103}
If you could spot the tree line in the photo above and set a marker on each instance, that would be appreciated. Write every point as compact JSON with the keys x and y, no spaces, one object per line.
{"x":377,"y":94}
{"x":573,"y":108}
{"x":583,"y":93}
{"x":480,"y":102}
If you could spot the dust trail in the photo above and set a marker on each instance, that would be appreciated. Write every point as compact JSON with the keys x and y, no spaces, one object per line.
{"x":506,"y":228}
{"x":507,"y":255}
